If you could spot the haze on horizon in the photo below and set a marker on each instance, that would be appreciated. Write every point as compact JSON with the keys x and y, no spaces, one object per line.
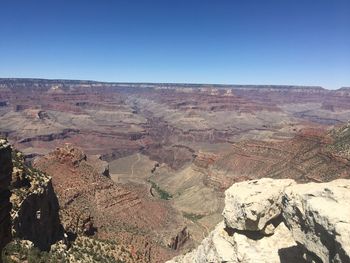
{"x":225,"y":42}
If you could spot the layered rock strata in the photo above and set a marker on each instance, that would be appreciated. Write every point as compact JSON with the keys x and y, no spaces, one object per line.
{"x":5,"y":205}
{"x":37,"y":234}
{"x":271,"y":220}
{"x":91,"y":204}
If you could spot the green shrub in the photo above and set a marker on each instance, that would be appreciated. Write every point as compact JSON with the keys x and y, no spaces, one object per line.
{"x":162,"y":194}
{"x":192,"y":217}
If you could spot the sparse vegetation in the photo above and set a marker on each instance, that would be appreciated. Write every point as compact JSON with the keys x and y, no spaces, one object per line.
{"x":192,"y":216}
{"x":84,"y":249}
{"x":341,"y":144}
{"x":162,"y":193}
{"x":18,"y":250}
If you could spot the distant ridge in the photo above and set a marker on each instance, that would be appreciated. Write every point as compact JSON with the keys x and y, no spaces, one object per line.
{"x":11,"y":81}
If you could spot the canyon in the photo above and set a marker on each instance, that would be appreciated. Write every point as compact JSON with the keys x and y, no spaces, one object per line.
{"x":146,"y":165}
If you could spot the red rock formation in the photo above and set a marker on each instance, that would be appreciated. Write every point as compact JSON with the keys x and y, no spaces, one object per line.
{"x":91,"y":203}
{"x":310,"y":156}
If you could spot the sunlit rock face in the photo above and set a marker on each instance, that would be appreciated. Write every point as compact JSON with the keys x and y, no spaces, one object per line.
{"x":318,"y":216}
{"x":251,"y":205}
{"x":303,"y":223}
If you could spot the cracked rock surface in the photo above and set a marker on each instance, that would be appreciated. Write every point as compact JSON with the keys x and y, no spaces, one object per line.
{"x":270,"y":220}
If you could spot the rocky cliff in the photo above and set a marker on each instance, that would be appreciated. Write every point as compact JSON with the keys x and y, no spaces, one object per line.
{"x":35,"y":212}
{"x":37,"y":233}
{"x":5,"y":205}
{"x":271,"y":220}
{"x":29,"y":207}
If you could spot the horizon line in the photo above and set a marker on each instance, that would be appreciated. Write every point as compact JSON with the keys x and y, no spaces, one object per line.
{"x":172,"y":83}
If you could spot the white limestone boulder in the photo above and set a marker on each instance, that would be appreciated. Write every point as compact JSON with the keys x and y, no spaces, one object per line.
{"x":223,"y":246}
{"x":252,"y":204}
{"x":318,"y":215}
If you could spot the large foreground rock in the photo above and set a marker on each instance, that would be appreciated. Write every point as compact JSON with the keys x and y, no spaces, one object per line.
{"x":250,"y":205}
{"x":318,"y":216}
{"x":223,"y":245}
{"x":279,"y":221}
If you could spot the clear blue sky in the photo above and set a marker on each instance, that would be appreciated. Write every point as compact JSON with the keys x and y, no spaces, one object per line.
{"x":235,"y":41}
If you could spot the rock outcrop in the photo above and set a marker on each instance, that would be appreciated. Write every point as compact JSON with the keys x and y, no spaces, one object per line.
{"x":318,"y":216}
{"x":35,"y":211}
{"x":180,"y":239}
{"x":271,"y":220}
{"x":5,"y":205}
{"x":255,"y":204}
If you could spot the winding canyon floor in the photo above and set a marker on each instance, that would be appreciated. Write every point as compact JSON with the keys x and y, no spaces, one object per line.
{"x":182,"y":145}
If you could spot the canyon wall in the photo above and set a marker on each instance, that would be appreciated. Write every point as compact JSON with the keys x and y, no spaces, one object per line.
{"x":5,"y":205}
{"x":35,"y":211}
